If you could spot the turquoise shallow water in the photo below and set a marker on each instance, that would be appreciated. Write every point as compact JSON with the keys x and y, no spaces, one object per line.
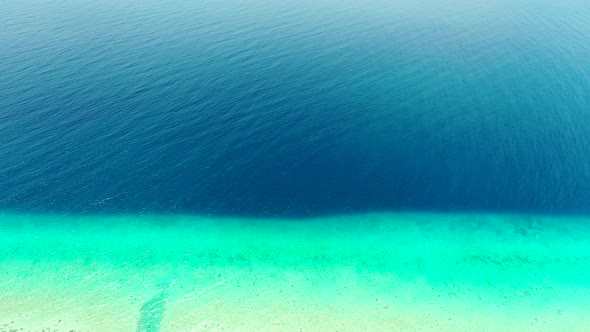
{"x":371,"y":271}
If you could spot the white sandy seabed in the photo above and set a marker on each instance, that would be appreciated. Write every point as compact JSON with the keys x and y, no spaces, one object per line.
{"x":371,"y":272}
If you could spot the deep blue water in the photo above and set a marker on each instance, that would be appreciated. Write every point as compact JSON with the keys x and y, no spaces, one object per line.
{"x":293,"y":108}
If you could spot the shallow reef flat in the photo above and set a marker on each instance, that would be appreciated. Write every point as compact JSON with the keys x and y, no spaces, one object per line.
{"x":372,"y":272}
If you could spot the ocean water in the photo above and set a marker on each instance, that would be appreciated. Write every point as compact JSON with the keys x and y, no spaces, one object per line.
{"x":183,"y":165}
{"x":369,"y":272}
{"x":291,"y":108}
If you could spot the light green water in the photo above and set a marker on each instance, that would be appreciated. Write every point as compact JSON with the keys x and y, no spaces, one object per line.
{"x":350,"y":273}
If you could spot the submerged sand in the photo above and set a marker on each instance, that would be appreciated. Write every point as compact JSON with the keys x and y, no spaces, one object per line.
{"x":373,"y":272}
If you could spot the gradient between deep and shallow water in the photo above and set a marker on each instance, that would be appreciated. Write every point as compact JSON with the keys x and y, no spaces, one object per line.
{"x":173,"y":165}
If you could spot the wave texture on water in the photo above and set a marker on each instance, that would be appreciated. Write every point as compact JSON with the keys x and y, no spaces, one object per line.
{"x":294,"y":108}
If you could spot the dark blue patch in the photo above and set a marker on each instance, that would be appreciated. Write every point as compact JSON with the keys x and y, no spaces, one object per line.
{"x":293,"y":109}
